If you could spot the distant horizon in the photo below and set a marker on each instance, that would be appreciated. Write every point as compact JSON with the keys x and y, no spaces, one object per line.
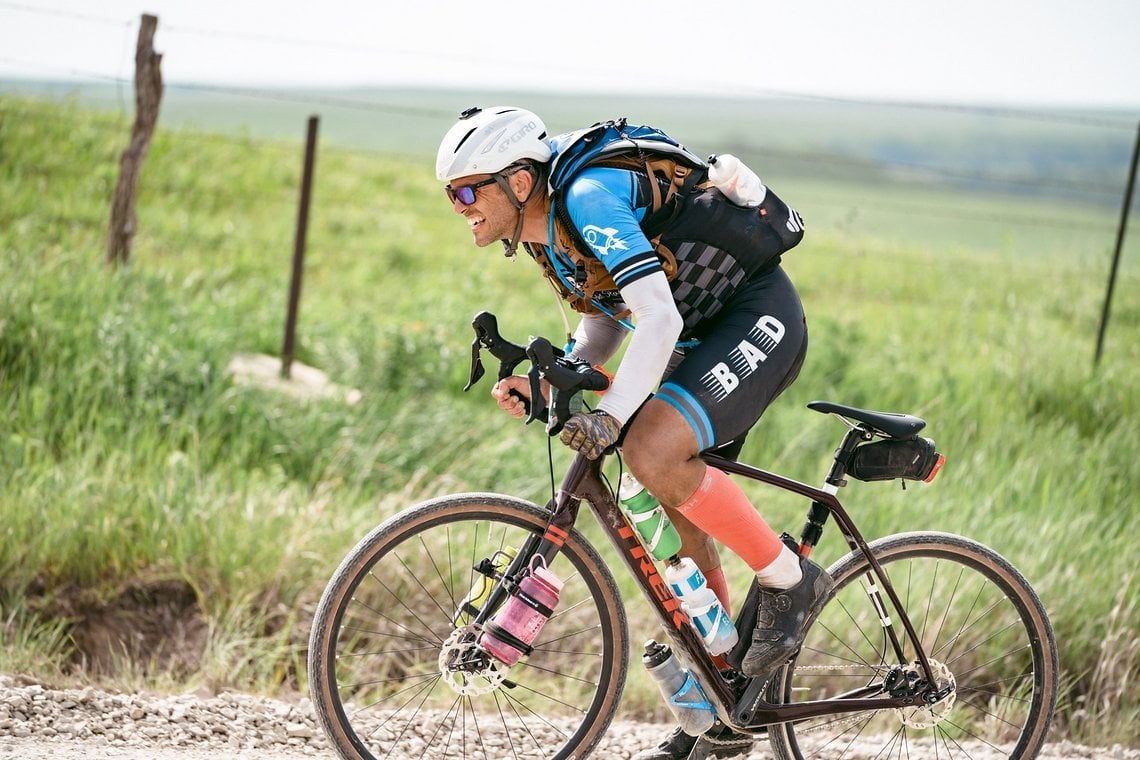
{"x":1131,"y":111}
{"x":1013,"y":54}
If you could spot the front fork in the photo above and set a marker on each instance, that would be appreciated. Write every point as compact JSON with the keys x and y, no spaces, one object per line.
{"x":563,"y":509}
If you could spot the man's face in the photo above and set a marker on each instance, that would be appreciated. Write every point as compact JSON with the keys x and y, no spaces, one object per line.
{"x":491,"y":216}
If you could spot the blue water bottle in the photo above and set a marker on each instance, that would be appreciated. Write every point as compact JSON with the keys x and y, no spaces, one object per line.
{"x":701,"y":604}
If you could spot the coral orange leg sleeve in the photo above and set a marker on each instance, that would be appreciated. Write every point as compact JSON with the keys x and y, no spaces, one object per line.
{"x":719,"y":585}
{"x":720,"y":508}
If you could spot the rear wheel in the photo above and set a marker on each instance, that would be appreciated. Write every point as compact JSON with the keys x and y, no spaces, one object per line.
{"x":983,"y":629}
{"x":388,"y":634}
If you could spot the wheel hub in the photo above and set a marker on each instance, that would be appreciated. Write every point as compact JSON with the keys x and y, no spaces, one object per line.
{"x":468,"y":670}
{"x":928,"y":715}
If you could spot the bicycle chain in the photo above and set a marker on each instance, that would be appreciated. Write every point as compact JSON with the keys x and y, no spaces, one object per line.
{"x":739,"y":742}
{"x":838,"y":722}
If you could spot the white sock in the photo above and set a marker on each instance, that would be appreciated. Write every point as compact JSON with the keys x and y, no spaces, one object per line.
{"x":783,"y":573}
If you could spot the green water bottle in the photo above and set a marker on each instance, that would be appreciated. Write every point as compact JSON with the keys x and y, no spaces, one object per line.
{"x":648,"y":517}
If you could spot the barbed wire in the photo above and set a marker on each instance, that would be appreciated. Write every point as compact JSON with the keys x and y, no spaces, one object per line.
{"x":39,"y":10}
{"x":280,"y":95}
{"x":1038,"y":115}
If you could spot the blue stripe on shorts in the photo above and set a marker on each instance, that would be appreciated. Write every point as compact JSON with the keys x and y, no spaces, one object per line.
{"x":685,"y":403}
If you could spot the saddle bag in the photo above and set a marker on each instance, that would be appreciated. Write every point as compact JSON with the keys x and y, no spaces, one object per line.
{"x":914,"y":459}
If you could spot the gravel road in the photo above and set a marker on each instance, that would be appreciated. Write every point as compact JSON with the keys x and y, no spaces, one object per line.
{"x":87,"y":724}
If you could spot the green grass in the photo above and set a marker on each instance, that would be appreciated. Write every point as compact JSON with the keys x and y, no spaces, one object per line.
{"x":127,"y":454}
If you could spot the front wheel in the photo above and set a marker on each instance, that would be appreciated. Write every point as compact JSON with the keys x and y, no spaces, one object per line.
{"x":983,"y":628}
{"x":391,"y":648}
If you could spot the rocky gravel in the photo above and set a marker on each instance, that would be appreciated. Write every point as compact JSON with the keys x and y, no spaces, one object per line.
{"x":41,"y":722}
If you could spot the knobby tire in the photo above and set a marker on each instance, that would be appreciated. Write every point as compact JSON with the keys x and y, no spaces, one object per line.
{"x":975,"y":614}
{"x":377,"y":679}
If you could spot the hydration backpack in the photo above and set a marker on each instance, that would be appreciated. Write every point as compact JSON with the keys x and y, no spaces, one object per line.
{"x":685,"y":209}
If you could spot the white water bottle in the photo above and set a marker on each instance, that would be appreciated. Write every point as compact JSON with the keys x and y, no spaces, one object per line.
{"x":701,"y":604}
{"x":738,"y":183}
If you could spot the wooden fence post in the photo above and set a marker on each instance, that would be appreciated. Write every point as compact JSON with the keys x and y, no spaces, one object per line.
{"x":287,"y":345}
{"x":1125,"y":210}
{"x":148,"y":93}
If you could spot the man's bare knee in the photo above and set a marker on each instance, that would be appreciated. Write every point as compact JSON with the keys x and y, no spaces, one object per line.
{"x":661,"y":451}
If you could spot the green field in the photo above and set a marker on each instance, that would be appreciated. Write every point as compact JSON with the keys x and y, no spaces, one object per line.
{"x":145,"y":493}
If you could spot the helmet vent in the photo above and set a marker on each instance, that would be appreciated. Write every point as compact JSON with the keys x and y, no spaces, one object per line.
{"x":465,"y":137}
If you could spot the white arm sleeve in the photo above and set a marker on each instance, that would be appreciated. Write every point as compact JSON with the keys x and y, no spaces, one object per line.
{"x":658,"y":325}
{"x":597,"y":338}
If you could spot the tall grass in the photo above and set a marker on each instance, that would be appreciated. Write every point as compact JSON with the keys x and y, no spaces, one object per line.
{"x":128,"y":453}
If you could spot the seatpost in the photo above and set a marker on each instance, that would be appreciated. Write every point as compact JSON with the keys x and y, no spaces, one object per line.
{"x":818,"y":513}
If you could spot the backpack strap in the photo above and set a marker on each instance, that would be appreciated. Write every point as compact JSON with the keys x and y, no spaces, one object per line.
{"x":672,"y":175}
{"x":590,"y":275}
{"x":579,"y":300}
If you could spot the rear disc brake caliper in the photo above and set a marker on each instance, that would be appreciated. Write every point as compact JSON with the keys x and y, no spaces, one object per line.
{"x":937,"y":699}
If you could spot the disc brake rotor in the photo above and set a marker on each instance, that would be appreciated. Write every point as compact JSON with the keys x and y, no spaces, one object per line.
{"x":468,"y":682}
{"x":925,"y":716}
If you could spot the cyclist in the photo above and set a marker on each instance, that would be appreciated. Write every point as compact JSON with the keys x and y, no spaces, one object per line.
{"x":665,"y":405}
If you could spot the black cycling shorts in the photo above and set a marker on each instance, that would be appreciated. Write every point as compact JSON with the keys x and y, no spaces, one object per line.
{"x":753,"y":351}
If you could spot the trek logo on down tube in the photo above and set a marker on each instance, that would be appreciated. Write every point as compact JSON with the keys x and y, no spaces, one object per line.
{"x":656,"y":582}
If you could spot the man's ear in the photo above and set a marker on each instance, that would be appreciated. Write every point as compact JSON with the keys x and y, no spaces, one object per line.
{"x":522,"y":183}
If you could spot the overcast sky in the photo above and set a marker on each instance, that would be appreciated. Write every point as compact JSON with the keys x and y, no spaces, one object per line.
{"x":994,"y":52}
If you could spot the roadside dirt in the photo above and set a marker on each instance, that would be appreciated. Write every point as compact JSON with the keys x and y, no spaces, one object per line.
{"x":88,"y":724}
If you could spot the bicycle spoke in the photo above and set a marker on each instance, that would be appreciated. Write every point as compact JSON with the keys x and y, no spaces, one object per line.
{"x":429,"y":595}
{"x":974,"y":619}
{"x":406,"y":679}
{"x":447,"y":586}
{"x":855,"y":626}
{"x":415,"y":615}
{"x":981,"y":619}
{"x":947,"y":606}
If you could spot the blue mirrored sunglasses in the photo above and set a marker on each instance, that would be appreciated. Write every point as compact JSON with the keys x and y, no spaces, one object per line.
{"x":465,"y":194}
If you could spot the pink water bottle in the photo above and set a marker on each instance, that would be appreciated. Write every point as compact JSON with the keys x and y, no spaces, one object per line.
{"x":511,"y":631}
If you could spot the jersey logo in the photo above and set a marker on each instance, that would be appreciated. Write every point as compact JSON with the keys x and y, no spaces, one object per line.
{"x":604,"y":240}
{"x":745,"y":358}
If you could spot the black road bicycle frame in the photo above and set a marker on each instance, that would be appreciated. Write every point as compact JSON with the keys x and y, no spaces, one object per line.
{"x":583,"y":481}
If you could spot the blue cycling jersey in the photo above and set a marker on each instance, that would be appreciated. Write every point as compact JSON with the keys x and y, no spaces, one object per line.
{"x":717,"y":246}
{"x":604,"y":206}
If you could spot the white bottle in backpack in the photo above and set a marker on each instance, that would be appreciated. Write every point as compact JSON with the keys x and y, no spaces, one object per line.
{"x":738,"y":183}
{"x":701,"y":604}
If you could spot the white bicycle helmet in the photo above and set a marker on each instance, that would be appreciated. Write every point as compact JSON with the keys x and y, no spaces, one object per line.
{"x":488,"y":140}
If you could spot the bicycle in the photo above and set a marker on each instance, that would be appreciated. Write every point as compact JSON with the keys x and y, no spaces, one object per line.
{"x":930,"y":639}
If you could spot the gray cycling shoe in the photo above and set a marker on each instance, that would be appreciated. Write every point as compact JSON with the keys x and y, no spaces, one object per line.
{"x":783,"y":617}
{"x":718,"y":742}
